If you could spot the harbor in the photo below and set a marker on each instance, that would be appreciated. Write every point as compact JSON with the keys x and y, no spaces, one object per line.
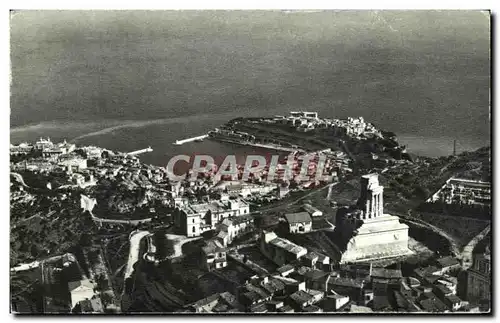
{"x":272,"y":146}
{"x":245,"y":139}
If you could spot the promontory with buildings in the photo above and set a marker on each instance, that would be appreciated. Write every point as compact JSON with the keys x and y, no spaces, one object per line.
{"x":98,"y":231}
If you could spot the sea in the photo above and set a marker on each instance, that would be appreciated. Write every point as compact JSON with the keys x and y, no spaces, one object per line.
{"x":126,"y":80}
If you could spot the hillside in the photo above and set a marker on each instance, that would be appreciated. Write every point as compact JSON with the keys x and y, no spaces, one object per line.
{"x":409,"y":185}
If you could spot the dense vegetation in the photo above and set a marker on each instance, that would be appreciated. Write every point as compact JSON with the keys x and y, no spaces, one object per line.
{"x":409,"y":185}
{"x":46,"y":225}
{"x":461,"y":229}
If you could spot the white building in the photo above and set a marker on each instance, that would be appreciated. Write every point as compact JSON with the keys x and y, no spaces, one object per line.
{"x":236,"y":188}
{"x":42,"y":144}
{"x":74,"y":164}
{"x":21,"y":149}
{"x":213,"y":255}
{"x":304,"y":114}
{"x":236,"y":226}
{"x":312,"y":210}
{"x":80,"y":291}
{"x":300,"y":222}
{"x":463,"y":191}
{"x":194,"y":219}
{"x":335,"y":302}
{"x":280,"y":251}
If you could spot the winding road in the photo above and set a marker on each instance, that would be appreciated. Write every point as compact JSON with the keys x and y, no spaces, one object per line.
{"x":88,"y":204}
{"x":20,"y":179}
{"x":453,"y":244}
{"x":287,"y":204}
{"x":133,"y":255}
{"x":466,"y":254}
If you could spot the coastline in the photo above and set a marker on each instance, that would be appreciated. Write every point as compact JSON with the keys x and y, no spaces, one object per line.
{"x":436,"y":147}
{"x":130,"y":136}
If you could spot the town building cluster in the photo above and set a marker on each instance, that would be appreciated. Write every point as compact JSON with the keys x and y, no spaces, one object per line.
{"x":194,"y":219}
{"x":68,"y":289}
{"x":44,"y":147}
{"x":308,"y":280}
{"x":303,"y":169}
{"x":304,"y":121}
{"x":479,"y":277}
{"x":289,"y":267}
{"x":60,"y":159}
{"x":309,"y":283}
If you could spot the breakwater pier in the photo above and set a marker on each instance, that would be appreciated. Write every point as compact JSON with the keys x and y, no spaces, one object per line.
{"x":141,"y":151}
{"x":183,"y":141}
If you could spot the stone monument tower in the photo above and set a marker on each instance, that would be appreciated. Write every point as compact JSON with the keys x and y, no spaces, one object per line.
{"x":376,"y":235}
{"x":371,"y":200}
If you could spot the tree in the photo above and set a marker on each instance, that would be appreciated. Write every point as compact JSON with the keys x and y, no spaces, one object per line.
{"x":85,"y":240}
{"x":421,"y":192}
{"x":208,"y":216}
{"x":34,"y":250}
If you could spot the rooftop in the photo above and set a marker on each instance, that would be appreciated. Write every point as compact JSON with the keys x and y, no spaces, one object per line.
{"x":443,"y":289}
{"x":205,"y":207}
{"x":337,"y":296}
{"x":470,"y":183}
{"x":432,"y":278}
{"x":286,"y":309}
{"x":214,"y":206}
{"x":225,"y":302}
{"x":322,"y":257}
{"x":288,"y":246}
{"x":378,"y":272}
{"x":273,"y":285}
{"x":453,"y":298}
{"x":312,"y":309}
{"x":311,"y":255}
{"x":259,"y":291}
{"x":222,"y":234}
{"x":288,"y":281}
{"x":315,"y":274}
{"x":252,"y":296}
{"x":360,"y":309}
{"x":258,"y":308}
{"x":85,"y":283}
{"x":285,"y":268}
{"x":91,"y":305}
{"x":448,"y":261}
{"x":298,"y":217}
{"x":433,"y":305}
{"x":227,"y":222}
{"x":301,"y":297}
{"x":425,"y":271}
{"x":206,"y":300}
{"x":448,"y":279}
{"x":310,"y":208}
{"x":241,"y":219}
{"x":213,"y":246}
{"x":347,"y":282}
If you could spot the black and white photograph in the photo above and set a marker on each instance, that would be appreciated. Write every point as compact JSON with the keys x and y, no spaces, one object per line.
{"x":251,"y":162}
